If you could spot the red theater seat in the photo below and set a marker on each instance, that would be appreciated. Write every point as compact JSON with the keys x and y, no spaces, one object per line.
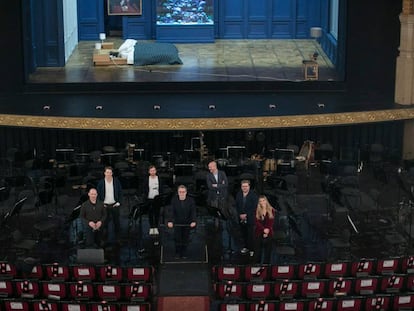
{"x":137,"y":291}
{"x":6,"y":288}
{"x":283,"y":272}
{"x":292,"y":305}
{"x":313,"y":288}
{"x":16,"y":305}
{"x":143,"y":306}
{"x":263,"y":306}
{"x":139,"y":274}
{"x":366,"y":285}
{"x":45,"y":305}
{"x":227,"y":273}
{"x":388,"y":266}
{"x":7,"y":270}
{"x":363,"y":267}
{"x":256,"y":273}
{"x":83,"y":273}
{"x":229,"y":289}
{"x":73,"y":306}
{"x":258,"y":290}
{"x":309,"y":271}
{"x":286,"y":289}
{"x":340,"y":287}
{"x":392,"y":283}
{"x":233,"y":306}
{"x":321,"y":304}
{"x":407,"y":264}
{"x":349,"y":304}
{"x":57,"y":272}
{"x":378,"y":302}
{"x":336,"y":270}
{"x":81,"y":290}
{"x":36,"y":273}
{"x":110,"y":292}
{"x":110,"y":273}
{"x":54,"y":290}
{"x":102,"y":306}
{"x":403,"y":301}
{"x":27,"y":288}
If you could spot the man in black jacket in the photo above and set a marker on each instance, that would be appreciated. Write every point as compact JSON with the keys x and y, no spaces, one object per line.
{"x":182,"y":217}
{"x":93,"y":215}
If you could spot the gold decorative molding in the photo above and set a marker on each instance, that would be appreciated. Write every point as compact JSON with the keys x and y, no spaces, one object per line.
{"x":263,"y":122}
{"x":408,"y":7}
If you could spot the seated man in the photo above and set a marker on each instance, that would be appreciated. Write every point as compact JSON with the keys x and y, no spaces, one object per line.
{"x":182,"y":217}
{"x":93,"y":215}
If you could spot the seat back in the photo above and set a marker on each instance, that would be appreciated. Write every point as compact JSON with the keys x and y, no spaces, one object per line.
{"x":283,"y":272}
{"x":139,"y":274}
{"x":81,"y":290}
{"x":378,"y":302}
{"x":108,"y":292}
{"x":7,"y":270}
{"x":45,"y":305}
{"x":227,"y":273}
{"x":366,"y":285}
{"x":111,"y":273}
{"x":229,"y":289}
{"x":349,"y":304}
{"x":83,"y":273}
{"x":54,"y":290}
{"x":256,"y":273}
{"x":313,"y":288}
{"x":27,"y":288}
{"x":286,"y":288}
{"x":257,"y":290}
{"x":309,"y":271}
{"x":137,"y":291}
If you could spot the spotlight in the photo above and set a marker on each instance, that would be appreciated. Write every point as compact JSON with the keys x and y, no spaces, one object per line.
{"x":272,"y":106}
{"x":102,"y":36}
{"x":46,"y":107}
{"x":98,"y":107}
{"x":212,"y":107}
{"x":321,"y":105}
{"x":157,"y":107}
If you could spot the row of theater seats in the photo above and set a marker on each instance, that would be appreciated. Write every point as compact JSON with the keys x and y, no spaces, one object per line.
{"x":52,"y":287}
{"x":389,"y":266}
{"x":398,"y":302}
{"x":50,"y":305}
{"x":92,"y":273}
{"x":367,"y":284}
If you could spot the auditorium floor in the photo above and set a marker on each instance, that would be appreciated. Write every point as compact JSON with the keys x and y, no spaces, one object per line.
{"x":223,"y":60}
{"x":311,"y":225}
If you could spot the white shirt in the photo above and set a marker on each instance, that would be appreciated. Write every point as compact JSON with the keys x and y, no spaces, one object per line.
{"x":109,"y":192}
{"x":153,"y":187}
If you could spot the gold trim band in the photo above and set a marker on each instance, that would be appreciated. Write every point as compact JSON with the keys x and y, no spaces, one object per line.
{"x":208,"y":123}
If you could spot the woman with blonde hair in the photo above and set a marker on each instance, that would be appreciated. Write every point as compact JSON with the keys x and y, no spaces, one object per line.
{"x":265,"y":217}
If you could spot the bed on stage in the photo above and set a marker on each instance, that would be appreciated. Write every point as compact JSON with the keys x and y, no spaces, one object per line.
{"x":149,"y":53}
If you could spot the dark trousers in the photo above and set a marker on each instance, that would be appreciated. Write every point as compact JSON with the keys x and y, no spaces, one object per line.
{"x":112,"y":213}
{"x":153,"y":213}
{"x":93,"y":238}
{"x":181,"y":238}
{"x":263,"y":247}
{"x":247,"y":235}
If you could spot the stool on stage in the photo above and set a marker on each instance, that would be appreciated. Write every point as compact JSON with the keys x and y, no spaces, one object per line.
{"x":311,"y":67}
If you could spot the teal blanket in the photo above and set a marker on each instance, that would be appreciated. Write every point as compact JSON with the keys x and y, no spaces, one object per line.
{"x":156,"y":54}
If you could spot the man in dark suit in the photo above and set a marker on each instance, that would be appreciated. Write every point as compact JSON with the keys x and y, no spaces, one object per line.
{"x":246,"y":204}
{"x":182,"y":217}
{"x":217,"y":185}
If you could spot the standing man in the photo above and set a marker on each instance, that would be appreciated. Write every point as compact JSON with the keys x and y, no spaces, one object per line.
{"x":151,"y":190}
{"x":217,"y":185}
{"x":246,"y":203}
{"x":110,"y":193}
{"x":182,"y":217}
{"x":93,"y":215}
